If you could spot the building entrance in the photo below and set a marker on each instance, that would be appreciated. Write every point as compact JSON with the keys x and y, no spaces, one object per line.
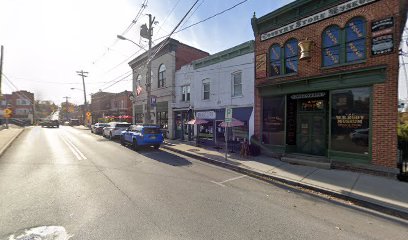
{"x":312,"y":126}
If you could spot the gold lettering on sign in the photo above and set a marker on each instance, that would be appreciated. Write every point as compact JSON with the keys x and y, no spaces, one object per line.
{"x":350,"y":121}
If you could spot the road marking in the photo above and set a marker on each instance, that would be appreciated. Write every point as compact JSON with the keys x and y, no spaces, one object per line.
{"x":228,"y":180}
{"x":78,"y":154}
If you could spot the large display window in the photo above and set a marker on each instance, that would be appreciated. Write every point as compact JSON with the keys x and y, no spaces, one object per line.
{"x":350,"y":120}
{"x":273,"y":131}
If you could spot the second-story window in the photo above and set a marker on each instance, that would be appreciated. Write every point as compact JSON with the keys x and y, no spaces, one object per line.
{"x":237,"y":84}
{"x":331,"y":46}
{"x":185,"y":93}
{"x":162,"y":76}
{"x":138,"y":80}
{"x":355,"y":40}
{"x":275,"y":60}
{"x":291,"y":56}
{"x":206,"y":90}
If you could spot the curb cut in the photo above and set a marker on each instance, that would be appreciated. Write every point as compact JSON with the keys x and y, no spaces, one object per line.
{"x":279,"y":180}
{"x":8,"y":144}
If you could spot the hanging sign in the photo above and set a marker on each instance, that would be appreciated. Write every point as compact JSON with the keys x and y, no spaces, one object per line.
{"x":206,"y":115}
{"x":382,"y":27}
{"x":382,"y":44}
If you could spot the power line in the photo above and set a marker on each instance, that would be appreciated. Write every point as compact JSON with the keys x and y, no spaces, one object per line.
{"x":168,"y":15}
{"x":206,"y":19}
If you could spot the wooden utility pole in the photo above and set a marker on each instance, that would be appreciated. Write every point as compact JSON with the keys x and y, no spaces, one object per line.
{"x":66,"y":107}
{"x":84,"y":75}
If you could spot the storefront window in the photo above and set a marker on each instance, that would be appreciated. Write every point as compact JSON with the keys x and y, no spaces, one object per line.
{"x":273,"y":130}
{"x":350,"y":120}
{"x":162,"y":119}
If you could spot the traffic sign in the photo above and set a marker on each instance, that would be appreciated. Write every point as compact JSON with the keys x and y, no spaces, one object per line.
{"x":7,"y":113}
{"x":88,"y":114}
{"x":228,"y":115}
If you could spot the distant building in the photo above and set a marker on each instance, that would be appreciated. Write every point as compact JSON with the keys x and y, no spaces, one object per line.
{"x":168,"y":59}
{"x":22,"y":104}
{"x":115,"y":105}
{"x":207,"y":86}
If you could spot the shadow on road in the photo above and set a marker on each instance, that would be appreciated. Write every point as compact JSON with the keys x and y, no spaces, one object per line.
{"x":164,"y":157}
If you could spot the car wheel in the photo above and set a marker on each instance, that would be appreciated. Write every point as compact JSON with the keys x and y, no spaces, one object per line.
{"x":157,"y":146}
{"x":122,"y":140}
{"x":135,"y":145}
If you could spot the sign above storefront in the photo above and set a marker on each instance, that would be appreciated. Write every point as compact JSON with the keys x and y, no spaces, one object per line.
{"x":206,"y":115}
{"x":308,"y":95}
{"x":344,"y":7}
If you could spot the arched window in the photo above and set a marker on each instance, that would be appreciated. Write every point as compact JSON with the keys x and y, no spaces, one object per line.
{"x":162,"y":77}
{"x":331,"y":46}
{"x":355,"y":40}
{"x":291,"y":56}
{"x":139,"y":80}
{"x":275,"y":60}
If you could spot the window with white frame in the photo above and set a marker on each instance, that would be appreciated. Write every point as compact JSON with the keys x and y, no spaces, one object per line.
{"x":206,"y":89}
{"x":23,"y":102}
{"x":185,"y":93}
{"x":162,"y":76}
{"x":237,"y":84}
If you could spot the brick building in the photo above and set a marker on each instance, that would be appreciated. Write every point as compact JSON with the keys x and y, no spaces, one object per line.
{"x":172,"y":55}
{"x":22,"y":104}
{"x":110,"y":104}
{"x":327,"y":81}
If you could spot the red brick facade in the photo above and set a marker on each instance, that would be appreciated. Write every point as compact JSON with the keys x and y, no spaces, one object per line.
{"x":384,"y":96}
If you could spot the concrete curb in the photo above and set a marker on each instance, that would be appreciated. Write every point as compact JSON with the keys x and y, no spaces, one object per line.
{"x":279,"y":180}
{"x":8,"y":144}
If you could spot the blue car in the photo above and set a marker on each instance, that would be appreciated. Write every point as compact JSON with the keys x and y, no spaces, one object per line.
{"x":142,"y":135}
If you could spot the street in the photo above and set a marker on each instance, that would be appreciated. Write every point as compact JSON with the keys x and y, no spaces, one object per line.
{"x":98,"y":189}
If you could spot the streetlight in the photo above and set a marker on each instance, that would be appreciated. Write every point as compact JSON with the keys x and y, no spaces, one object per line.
{"x":123,"y":38}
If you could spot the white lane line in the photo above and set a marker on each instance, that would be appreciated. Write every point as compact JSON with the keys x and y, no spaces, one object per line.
{"x":228,"y":180}
{"x":78,"y":151}
{"x":72,"y":150}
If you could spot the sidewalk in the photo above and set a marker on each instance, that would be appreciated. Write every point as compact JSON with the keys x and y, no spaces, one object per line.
{"x":7,"y":136}
{"x":375,"y":192}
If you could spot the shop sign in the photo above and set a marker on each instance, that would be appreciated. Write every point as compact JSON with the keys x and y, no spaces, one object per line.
{"x":260,"y":66}
{"x":339,"y":9}
{"x":206,"y":115}
{"x":382,"y":44}
{"x":382,"y":41}
{"x":308,"y":95}
{"x":153,"y":101}
{"x":350,"y":121}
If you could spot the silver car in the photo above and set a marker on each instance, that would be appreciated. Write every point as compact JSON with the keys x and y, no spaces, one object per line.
{"x":114,"y":129}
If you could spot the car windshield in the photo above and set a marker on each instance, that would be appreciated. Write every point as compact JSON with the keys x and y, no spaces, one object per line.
{"x":151,"y":130}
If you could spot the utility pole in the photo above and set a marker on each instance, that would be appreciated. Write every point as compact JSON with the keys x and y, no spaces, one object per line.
{"x":147,"y":32}
{"x":1,"y":67}
{"x":66,"y":108}
{"x":84,"y":75}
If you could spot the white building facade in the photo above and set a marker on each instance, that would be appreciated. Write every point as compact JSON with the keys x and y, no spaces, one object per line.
{"x":207,"y":86}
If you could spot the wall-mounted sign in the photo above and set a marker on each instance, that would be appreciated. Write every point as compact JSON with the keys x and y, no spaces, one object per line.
{"x":308,"y":95}
{"x":381,"y":27}
{"x":382,"y":41}
{"x":153,"y":101}
{"x":206,"y":115}
{"x":260,"y":66}
{"x":382,"y":44}
{"x":336,"y":10}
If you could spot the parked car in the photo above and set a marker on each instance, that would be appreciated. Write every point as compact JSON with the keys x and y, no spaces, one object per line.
{"x":360,"y":136}
{"x":97,"y":128}
{"x":74,"y":122}
{"x":142,"y":135}
{"x":50,"y":123}
{"x":114,"y":129}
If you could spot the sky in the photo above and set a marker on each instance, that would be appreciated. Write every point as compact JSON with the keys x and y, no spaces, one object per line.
{"x":47,"y":41}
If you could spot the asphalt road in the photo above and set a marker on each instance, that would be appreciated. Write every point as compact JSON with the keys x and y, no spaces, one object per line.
{"x":98,"y":189}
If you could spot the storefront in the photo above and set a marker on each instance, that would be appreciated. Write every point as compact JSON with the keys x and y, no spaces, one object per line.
{"x":327,"y":81}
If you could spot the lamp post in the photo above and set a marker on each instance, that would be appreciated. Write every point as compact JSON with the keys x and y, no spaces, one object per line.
{"x":146,"y":32}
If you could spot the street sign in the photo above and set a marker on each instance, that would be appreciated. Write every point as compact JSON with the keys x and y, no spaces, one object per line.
{"x":228,"y":115}
{"x":88,"y":114}
{"x":7,"y":113}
